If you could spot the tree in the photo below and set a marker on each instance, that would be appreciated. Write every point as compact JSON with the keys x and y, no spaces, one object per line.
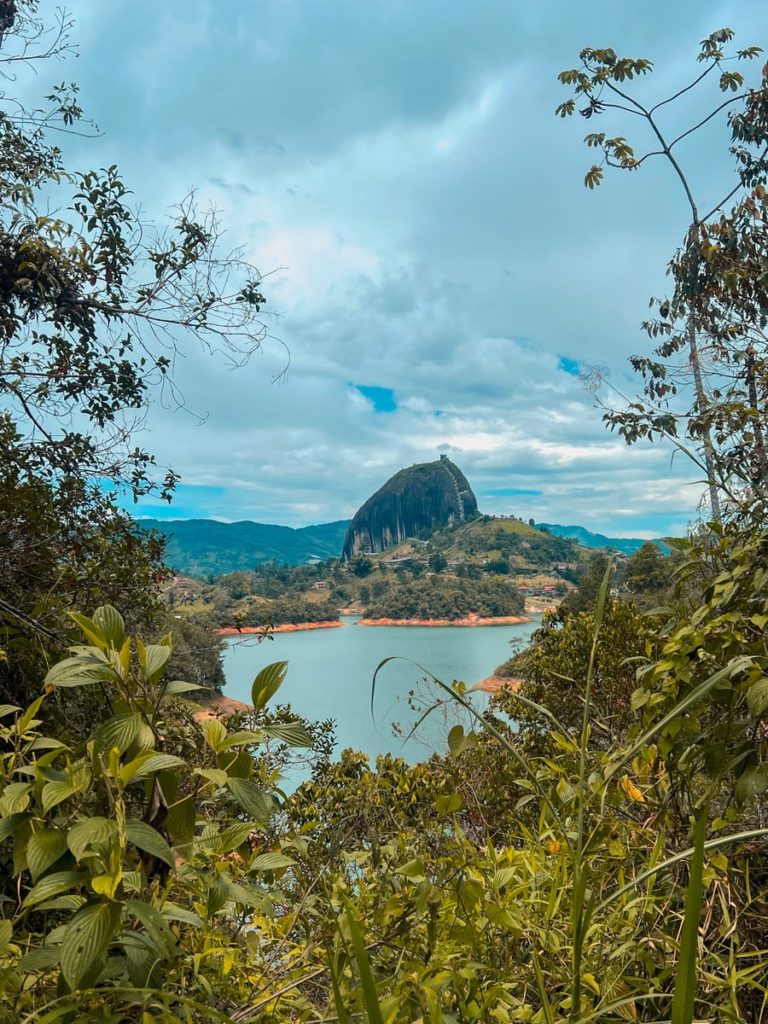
{"x":601,"y":82}
{"x":647,"y":571}
{"x":94,"y":306}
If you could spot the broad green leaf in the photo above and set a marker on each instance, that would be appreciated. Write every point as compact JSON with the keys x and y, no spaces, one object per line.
{"x":216,"y":775}
{"x":178,"y":686}
{"x":242,"y":894}
{"x":414,"y":870}
{"x":55,"y":793}
{"x":82,"y":670}
{"x":40,"y":959}
{"x":173,"y":912}
{"x":271,"y":862}
{"x":267,"y":683}
{"x":155,"y":924}
{"x":251,"y":798}
{"x":147,"y":762}
{"x":15,"y":797}
{"x":91,"y":834}
{"x":232,"y":837}
{"x":240,"y":739}
{"x":6,"y":934}
{"x":8,"y":709}
{"x":70,"y":902}
{"x":157,"y":656}
{"x":86,"y":939}
{"x":215,"y":733}
{"x":120,"y":731}
{"x":9,"y":824}
{"x":93,"y":631}
{"x":757,"y":698}
{"x":110,"y":622}
{"x":459,"y":741}
{"x":293,"y":733}
{"x":752,"y":784}
{"x":180,"y":825}
{"x":53,"y":885}
{"x":43,"y":850}
{"x":149,"y":840}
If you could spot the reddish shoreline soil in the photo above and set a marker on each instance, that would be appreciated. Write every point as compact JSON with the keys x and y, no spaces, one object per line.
{"x":492,"y":684}
{"x":286,"y":627}
{"x":470,"y":620}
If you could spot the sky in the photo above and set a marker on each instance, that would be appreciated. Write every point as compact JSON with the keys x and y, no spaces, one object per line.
{"x":433,"y":264}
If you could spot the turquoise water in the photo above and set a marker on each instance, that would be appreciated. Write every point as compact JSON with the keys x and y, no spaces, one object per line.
{"x":330,"y":673}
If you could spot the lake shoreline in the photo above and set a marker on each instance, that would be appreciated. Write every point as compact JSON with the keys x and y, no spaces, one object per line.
{"x":285,"y":627}
{"x":468,"y":622}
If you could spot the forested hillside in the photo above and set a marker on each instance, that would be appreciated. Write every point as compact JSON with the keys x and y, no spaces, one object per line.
{"x":204,"y":547}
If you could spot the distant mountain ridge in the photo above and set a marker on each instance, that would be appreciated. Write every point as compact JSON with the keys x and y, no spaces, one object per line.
{"x":206,"y":547}
{"x":588,"y":539}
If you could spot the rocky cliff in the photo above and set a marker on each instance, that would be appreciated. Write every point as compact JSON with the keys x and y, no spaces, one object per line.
{"x":427,"y":496}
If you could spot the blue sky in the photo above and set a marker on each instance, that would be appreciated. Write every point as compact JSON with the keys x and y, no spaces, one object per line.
{"x":397,"y":169}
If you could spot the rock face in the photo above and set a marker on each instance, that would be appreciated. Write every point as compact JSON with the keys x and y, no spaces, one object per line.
{"x":428,"y":496}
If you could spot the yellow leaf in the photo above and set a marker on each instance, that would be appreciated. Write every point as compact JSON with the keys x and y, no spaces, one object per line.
{"x":631,"y":790}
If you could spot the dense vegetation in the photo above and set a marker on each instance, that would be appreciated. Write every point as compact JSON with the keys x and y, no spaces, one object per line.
{"x":442,"y":597}
{"x":591,"y":848}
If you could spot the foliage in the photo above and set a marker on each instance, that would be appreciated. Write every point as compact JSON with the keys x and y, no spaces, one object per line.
{"x":139,"y":850}
{"x":444,"y":598}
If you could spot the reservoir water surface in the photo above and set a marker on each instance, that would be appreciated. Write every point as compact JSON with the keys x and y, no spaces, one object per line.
{"x":330,"y":672}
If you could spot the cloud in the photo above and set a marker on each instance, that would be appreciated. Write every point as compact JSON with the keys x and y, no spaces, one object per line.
{"x":400,"y":169}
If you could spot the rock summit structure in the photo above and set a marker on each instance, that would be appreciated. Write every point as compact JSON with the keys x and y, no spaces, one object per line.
{"x":427,"y":496}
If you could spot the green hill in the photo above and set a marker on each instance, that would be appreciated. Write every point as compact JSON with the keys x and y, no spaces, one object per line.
{"x":205,"y":547}
{"x":627,"y":545}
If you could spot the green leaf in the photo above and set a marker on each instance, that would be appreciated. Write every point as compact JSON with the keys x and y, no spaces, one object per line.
{"x":149,"y":840}
{"x":239,"y":739}
{"x":91,"y":834}
{"x":55,"y":793}
{"x":120,"y":731}
{"x":157,"y":656}
{"x":91,"y":630}
{"x":8,"y":709}
{"x":414,"y":870}
{"x":214,"y":732}
{"x":459,"y":741}
{"x":234,"y":836}
{"x":251,"y":798}
{"x":370,"y":996}
{"x":40,"y":959}
{"x":155,"y":924}
{"x":43,"y":850}
{"x":271,"y":862}
{"x":757,"y":698}
{"x":267,"y":683}
{"x":752,"y":784}
{"x":293,"y":733}
{"x":10,"y":823}
{"x":86,"y":939}
{"x":110,"y":622}
{"x":178,"y":686}
{"x":685,"y":977}
{"x":6,"y":934}
{"x":53,"y":885}
{"x":152,"y":763}
{"x":82,"y":670}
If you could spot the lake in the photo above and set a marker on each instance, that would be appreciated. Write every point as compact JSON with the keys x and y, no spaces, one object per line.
{"x":330,"y":673}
